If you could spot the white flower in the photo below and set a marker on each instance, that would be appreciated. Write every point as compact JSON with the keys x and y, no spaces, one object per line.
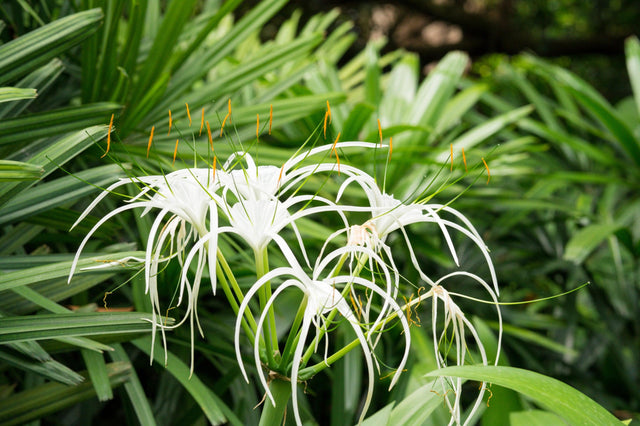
{"x":453,"y":335}
{"x":187,"y":210}
{"x":321,"y":296}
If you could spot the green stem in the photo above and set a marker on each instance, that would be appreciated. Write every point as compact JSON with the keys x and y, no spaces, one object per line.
{"x":274,"y":415}
{"x":234,"y":284}
{"x":251,"y":326}
{"x":264,"y":294}
{"x":307,"y":373}
{"x":294,"y":335}
{"x":361,"y":262}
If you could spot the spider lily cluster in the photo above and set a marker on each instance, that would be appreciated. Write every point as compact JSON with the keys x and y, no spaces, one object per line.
{"x":353,"y":282}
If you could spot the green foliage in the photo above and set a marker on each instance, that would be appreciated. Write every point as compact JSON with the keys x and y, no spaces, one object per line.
{"x":571,"y":405}
{"x":560,"y":208}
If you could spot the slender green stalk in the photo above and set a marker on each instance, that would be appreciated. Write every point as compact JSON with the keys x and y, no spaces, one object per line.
{"x":294,"y":335}
{"x":307,"y":373}
{"x":264,"y":294}
{"x":320,"y":334}
{"x":248,"y":324}
{"x":274,"y":415}
{"x":234,"y":284}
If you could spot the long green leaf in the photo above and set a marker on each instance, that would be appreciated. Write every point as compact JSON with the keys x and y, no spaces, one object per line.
{"x":18,"y":171}
{"x":583,"y":242}
{"x":473,"y":137}
{"x":214,"y":408}
{"x":48,"y":368}
{"x":28,"y":52}
{"x":48,"y":326}
{"x":98,"y":373}
{"x":51,"y":397}
{"x":106,"y":263}
{"x":560,"y":398}
{"x":632,"y":49}
{"x":51,"y":123}
{"x":8,"y":94}
{"x":58,"y":192}
{"x":40,"y":80}
{"x":133,"y":387}
{"x":51,"y":154}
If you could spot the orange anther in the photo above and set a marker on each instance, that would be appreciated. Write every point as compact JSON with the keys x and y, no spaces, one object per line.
{"x":451,"y":157}
{"x":324,"y":126}
{"x":390,"y":147}
{"x":329,"y":110}
{"x":223,"y":121}
{"x":280,"y":175}
{"x":210,"y":138}
{"x":214,"y":167}
{"x":201,"y":121}
{"x":170,"y":123}
{"x":464,"y":160}
{"x":380,"y":132}
{"x":188,"y":113}
{"x":335,"y":151}
{"x":109,"y":136}
{"x":175,"y":151}
{"x":226,"y":117}
{"x":258,"y":127}
{"x":270,"y":117}
{"x":150,"y":140}
{"x":488,"y":172}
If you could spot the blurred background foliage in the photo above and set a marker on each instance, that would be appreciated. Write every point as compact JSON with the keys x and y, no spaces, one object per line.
{"x":559,"y":127}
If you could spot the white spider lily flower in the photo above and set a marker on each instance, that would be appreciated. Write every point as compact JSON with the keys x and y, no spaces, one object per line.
{"x":322,"y":297}
{"x":453,"y":334}
{"x":390,"y":214}
{"x":186,"y":201}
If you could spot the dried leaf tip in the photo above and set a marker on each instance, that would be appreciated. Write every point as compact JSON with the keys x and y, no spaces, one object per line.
{"x":150,"y":140}
{"x":109,"y":136}
{"x":201,"y":121}
{"x":488,"y":172}
{"x":188,"y":113}
{"x":270,"y":117}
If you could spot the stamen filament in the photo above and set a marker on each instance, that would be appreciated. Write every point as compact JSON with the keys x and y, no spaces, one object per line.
{"x":188,"y":113}
{"x":109,"y":136}
{"x":150,"y":140}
